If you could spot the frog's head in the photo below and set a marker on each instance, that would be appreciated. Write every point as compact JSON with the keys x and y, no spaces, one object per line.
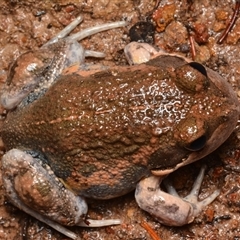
{"x":209,"y":122}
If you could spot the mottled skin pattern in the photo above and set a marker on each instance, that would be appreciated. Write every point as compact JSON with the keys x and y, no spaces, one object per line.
{"x":103,"y":133}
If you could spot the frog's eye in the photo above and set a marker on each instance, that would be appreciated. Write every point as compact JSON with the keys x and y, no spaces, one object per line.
{"x":197,"y":144}
{"x":192,"y":77}
{"x":191,"y":133}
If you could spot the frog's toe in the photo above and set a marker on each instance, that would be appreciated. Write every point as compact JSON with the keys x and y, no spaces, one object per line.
{"x":192,"y":197}
{"x":96,"y":29}
{"x":58,"y":227}
{"x":99,"y":223}
{"x":65,"y":31}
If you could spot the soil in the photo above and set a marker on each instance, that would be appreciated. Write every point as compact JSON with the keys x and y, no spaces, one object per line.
{"x":28,"y":24}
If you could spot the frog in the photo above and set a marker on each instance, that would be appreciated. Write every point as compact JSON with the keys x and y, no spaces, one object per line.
{"x":100,"y":133}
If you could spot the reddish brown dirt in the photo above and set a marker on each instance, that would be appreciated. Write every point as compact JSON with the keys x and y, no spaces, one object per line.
{"x":28,"y":24}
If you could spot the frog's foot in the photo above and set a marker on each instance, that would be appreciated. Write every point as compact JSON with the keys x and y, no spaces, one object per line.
{"x":32,"y":187}
{"x":84,"y":33}
{"x":169,"y":209}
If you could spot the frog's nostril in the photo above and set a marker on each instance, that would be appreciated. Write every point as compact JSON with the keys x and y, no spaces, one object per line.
{"x":197,"y":144}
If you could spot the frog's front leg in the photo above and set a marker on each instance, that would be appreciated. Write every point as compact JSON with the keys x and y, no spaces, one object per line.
{"x":33,"y":187}
{"x":169,"y":208}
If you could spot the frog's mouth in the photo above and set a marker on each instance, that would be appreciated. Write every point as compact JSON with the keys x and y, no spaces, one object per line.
{"x":218,"y":137}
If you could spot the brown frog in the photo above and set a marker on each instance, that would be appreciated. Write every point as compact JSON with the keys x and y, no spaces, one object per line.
{"x":101,"y":133}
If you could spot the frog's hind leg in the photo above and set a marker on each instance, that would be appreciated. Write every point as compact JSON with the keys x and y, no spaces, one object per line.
{"x":74,"y":52}
{"x":37,"y":70}
{"x":32,"y":187}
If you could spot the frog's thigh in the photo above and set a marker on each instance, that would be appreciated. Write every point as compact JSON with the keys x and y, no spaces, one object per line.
{"x":167,"y":209}
{"x":29,"y":185}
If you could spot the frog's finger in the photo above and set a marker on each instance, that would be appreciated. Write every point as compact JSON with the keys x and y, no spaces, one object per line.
{"x":170,"y":189}
{"x":192,"y":197}
{"x":197,"y":184}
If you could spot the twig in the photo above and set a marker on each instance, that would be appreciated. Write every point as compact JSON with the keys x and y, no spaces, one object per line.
{"x":231,"y":23}
{"x":150,"y":231}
